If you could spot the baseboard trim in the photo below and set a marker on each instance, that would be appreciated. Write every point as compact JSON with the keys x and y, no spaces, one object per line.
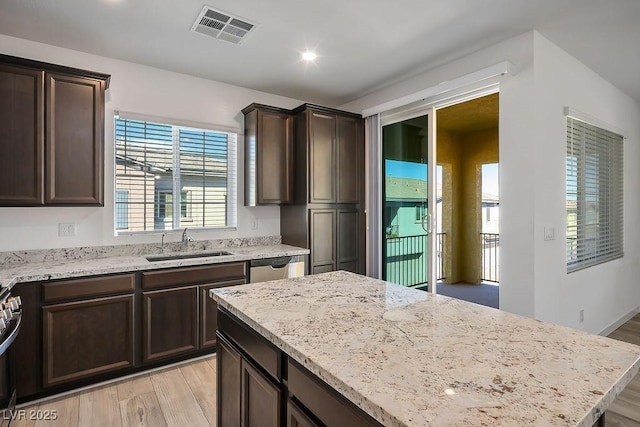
{"x":624,"y":319}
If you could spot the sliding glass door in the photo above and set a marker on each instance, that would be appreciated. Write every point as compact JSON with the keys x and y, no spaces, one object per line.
{"x":408,"y":183}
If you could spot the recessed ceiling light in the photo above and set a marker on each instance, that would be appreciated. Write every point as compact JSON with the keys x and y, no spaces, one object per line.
{"x":309,"y":55}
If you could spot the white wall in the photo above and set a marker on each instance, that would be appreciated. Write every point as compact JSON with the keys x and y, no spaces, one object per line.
{"x":533,"y":274}
{"x":151,"y":91}
{"x":607,"y":291}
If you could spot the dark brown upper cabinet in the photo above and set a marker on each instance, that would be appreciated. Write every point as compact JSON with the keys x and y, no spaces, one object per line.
{"x":51,"y":134}
{"x":268,"y":155}
{"x":329,"y":154}
{"x":21,"y":135}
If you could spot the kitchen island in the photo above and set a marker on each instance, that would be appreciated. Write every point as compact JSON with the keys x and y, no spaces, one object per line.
{"x":404,"y":357}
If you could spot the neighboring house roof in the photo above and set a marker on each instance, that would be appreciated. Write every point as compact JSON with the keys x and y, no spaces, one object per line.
{"x":490,"y":198}
{"x":158,"y":158}
{"x":407,"y":189}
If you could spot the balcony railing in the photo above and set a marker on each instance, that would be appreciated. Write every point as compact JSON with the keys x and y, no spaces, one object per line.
{"x":405,"y":259}
{"x":490,"y":257}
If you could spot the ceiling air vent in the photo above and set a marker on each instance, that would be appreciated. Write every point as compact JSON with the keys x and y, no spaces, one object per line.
{"x":222,"y":25}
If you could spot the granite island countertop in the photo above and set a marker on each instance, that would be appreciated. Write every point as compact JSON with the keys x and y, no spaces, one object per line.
{"x":410,"y":358}
{"x":61,"y":269}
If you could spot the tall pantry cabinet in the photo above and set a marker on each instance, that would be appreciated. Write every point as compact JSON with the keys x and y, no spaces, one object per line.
{"x":327,"y":215}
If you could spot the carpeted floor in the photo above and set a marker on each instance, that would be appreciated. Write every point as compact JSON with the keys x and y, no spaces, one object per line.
{"x":485,"y":293}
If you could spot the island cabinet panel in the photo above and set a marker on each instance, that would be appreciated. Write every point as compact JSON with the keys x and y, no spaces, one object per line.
{"x":296,"y":416}
{"x":84,"y":339}
{"x":229,"y":377}
{"x":322,"y":401}
{"x":21,"y":135}
{"x":74,"y":140}
{"x":169,"y":325}
{"x":268,"y":155}
{"x":261,"y":399}
{"x":250,"y":395}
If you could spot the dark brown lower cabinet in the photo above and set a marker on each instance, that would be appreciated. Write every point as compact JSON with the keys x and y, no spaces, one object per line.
{"x":251,"y":394}
{"x":250,"y":399}
{"x":170,"y":322}
{"x":296,"y":417}
{"x":323,"y":240}
{"x":229,"y":363}
{"x":87,"y":338}
{"x":260,"y":403}
{"x":349,"y":241}
{"x":209,"y":312}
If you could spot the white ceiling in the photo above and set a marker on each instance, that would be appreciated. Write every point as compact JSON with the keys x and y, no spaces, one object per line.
{"x":363,"y":45}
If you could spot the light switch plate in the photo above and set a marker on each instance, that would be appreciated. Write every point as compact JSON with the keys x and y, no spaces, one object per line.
{"x":66,"y":229}
{"x":549,"y":233}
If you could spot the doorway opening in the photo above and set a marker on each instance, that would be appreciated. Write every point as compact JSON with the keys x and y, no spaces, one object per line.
{"x":467,"y":149}
{"x":464,"y":238}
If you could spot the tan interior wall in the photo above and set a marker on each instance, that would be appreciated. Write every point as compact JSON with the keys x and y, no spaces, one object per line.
{"x":462,"y":156}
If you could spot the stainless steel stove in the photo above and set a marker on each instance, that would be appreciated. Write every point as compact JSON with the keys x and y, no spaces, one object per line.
{"x":10,"y":321}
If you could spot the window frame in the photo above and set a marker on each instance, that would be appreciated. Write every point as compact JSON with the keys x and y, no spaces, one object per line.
{"x":231,"y":190}
{"x":594,"y":179}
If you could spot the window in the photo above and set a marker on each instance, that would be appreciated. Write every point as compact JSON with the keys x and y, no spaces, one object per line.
{"x":593,"y":195}
{"x":174,"y":176}
{"x":122,"y":210}
{"x":421,"y":211}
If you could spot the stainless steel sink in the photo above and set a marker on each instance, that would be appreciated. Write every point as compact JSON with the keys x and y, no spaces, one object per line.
{"x":167,"y":257}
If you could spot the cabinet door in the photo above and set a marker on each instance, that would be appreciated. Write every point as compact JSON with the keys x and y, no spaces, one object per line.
{"x":260,"y":403}
{"x":323,"y":240}
{"x":87,"y":338}
{"x":169,"y":323}
{"x":275,"y":158}
{"x":348,"y":241}
{"x":322,"y":168}
{"x":349,"y":159}
{"x":209,"y":312}
{"x":296,"y":417}
{"x":75,"y":138}
{"x":21,"y":136}
{"x":228,"y":393}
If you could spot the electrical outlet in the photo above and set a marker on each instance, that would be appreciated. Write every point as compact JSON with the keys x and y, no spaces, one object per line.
{"x":581,"y":316}
{"x":66,"y":229}
{"x":549,"y":233}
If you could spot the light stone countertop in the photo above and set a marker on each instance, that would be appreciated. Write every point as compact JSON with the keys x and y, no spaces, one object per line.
{"x":60,"y":269}
{"x":410,"y":358}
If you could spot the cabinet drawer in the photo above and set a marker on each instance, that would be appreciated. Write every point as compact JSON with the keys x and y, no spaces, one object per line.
{"x":255,"y":346}
{"x":88,"y":287}
{"x":323,"y":401}
{"x":201,"y":274}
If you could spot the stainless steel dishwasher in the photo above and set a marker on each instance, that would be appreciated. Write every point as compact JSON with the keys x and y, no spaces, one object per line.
{"x":286,"y":267}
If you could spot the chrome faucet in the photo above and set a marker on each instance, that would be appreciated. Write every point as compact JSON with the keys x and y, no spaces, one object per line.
{"x":162,"y":243}
{"x":185,"y":237}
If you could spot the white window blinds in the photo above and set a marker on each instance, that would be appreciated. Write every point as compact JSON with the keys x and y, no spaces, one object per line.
{"x":594,"y":195}
{"x":175,"y":176}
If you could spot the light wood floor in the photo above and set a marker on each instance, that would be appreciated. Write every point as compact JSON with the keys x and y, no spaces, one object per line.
{"x":185,"y":395}
{"x":625,"y":410}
